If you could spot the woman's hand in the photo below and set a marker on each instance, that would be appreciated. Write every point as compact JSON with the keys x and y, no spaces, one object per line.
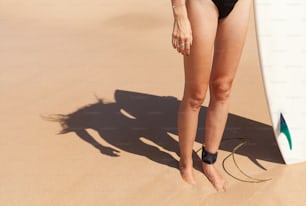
{"x":182,"y":34}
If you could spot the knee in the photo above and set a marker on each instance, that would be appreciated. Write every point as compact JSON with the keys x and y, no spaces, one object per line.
{"x":196,"y":98}
{"x":220,"y":90}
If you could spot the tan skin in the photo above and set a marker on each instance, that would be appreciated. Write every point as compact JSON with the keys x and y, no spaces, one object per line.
{"x":212,"y":50}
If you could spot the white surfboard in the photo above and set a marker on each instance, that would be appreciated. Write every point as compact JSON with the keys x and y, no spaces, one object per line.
{"x":281,"y":36}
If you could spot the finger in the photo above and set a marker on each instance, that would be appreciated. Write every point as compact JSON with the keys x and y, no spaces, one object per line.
{"x":185,"y":43}
{"x":176,"y":39}
{"x":179,"y":50}
{"x":173,"y":42}
{"x":177,"y":42}
{"x":187,"y":48}
{"x":188,"y":39}
{"x":181,"y":47}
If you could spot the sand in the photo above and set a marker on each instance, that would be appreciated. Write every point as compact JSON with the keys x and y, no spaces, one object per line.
{"x":89,"y":93}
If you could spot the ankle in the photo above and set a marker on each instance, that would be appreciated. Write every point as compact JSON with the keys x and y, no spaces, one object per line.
{"x":208,"y":157}
{"x":184,"y":163}
{"x":207,"y":167}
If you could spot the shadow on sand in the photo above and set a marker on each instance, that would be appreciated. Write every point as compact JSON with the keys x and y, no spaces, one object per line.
{"x":137,"y":122}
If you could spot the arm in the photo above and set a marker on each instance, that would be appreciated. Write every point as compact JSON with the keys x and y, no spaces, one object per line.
{"x":179,"y":8}
{"x":181,"y":35}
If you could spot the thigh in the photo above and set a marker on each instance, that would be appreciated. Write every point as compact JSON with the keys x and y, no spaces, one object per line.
{"x":203,"y":17}
{"x":230,"y":39}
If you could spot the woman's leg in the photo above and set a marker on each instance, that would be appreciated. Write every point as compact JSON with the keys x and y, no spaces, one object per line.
{"x":229,"y":43}
{"x":203,"y":17}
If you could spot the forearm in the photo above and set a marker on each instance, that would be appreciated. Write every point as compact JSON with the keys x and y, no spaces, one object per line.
{"x":179,"y":8}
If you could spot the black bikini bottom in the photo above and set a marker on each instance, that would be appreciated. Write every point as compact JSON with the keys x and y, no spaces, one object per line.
{"x":224,"y":7}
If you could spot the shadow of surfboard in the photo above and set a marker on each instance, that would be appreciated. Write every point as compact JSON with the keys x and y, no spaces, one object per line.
{"x":140,"y":123}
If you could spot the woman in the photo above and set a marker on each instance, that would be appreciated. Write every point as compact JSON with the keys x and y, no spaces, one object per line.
{"x":210,"y":34}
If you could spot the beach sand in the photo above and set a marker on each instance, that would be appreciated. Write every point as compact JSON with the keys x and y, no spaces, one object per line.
{"x":89,"y":94}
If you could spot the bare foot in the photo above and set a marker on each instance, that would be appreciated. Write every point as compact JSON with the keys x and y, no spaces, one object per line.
{"x":214,"y":177}
{"x":187,"y":173}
